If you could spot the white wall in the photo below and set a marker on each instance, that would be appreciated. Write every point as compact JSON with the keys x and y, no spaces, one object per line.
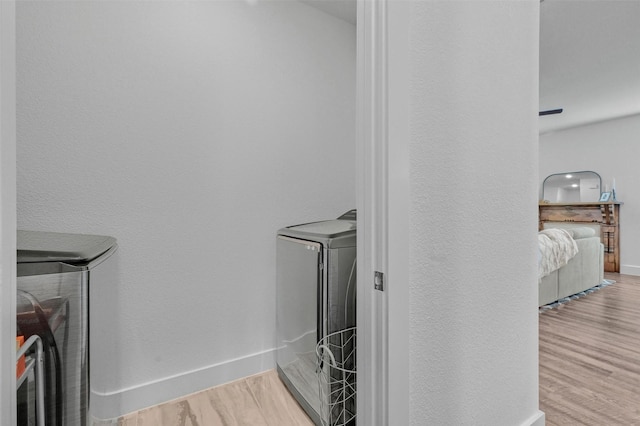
{"x":191,"y":132}
{"x":7,"y":213}
{"x":473,"y":289}
{"x":609,"y":149}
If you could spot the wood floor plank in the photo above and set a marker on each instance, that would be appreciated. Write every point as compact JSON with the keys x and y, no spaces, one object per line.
{"x":228,"y":405}
{"x":128,"y":420}
{"x":590,"y":357}
{"x":260,"y":400}
{"x":275,"y":401}
{"x":234,"y":405}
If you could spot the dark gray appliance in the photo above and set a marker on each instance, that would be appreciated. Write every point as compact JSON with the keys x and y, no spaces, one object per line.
{"x":56,"y":272}
{"x":316,"y":295}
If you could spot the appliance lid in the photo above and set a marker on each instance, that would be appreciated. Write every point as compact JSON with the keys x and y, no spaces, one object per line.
{"x":37,"y":246}
{"x":333,"y":233}
{"x":328,"y":228}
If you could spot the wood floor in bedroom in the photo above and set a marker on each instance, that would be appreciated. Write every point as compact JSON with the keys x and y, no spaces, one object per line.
{"x":590,"y":357}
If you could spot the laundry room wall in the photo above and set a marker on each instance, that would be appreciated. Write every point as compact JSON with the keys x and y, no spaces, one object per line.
{"x":191,"y":132}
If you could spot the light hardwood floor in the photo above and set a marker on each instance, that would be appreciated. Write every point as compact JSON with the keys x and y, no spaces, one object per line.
{"x":260,"y":400}
{"x":590,"y":357}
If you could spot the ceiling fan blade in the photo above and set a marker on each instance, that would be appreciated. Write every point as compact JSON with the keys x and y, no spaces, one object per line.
{"x":550,"y":111}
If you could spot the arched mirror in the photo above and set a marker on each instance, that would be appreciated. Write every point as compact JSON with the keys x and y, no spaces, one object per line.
{"x":572,"y":187}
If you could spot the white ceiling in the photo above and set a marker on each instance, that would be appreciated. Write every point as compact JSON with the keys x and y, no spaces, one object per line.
{"x":343,"y":9}
{"x":589,"y":58}
{"x":589,"y":61}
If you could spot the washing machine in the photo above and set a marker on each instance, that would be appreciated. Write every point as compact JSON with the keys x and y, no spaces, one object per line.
{"x":56,"y":273}
{"x":316,"y":298}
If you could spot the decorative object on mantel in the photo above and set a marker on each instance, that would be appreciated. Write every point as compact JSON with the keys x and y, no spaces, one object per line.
{"x":605,"y":196}
{"x":604,"y":215}
{"x":613,"y":190}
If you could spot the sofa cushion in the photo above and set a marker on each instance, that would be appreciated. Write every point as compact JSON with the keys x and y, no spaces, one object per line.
{"x":582,"y":232}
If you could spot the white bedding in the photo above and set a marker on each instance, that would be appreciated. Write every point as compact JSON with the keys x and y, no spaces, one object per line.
{"x":556,"y":248}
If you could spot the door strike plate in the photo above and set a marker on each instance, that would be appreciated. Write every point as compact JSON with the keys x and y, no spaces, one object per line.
{"x":378,"y":281}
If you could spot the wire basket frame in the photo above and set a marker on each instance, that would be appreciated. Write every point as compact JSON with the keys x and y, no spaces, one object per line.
{"x":336,"y":369}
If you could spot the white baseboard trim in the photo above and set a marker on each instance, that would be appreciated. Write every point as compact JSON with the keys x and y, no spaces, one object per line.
{"x":630,"y":270}
{"x":111,"y":405}
{"x":537,"y":419}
